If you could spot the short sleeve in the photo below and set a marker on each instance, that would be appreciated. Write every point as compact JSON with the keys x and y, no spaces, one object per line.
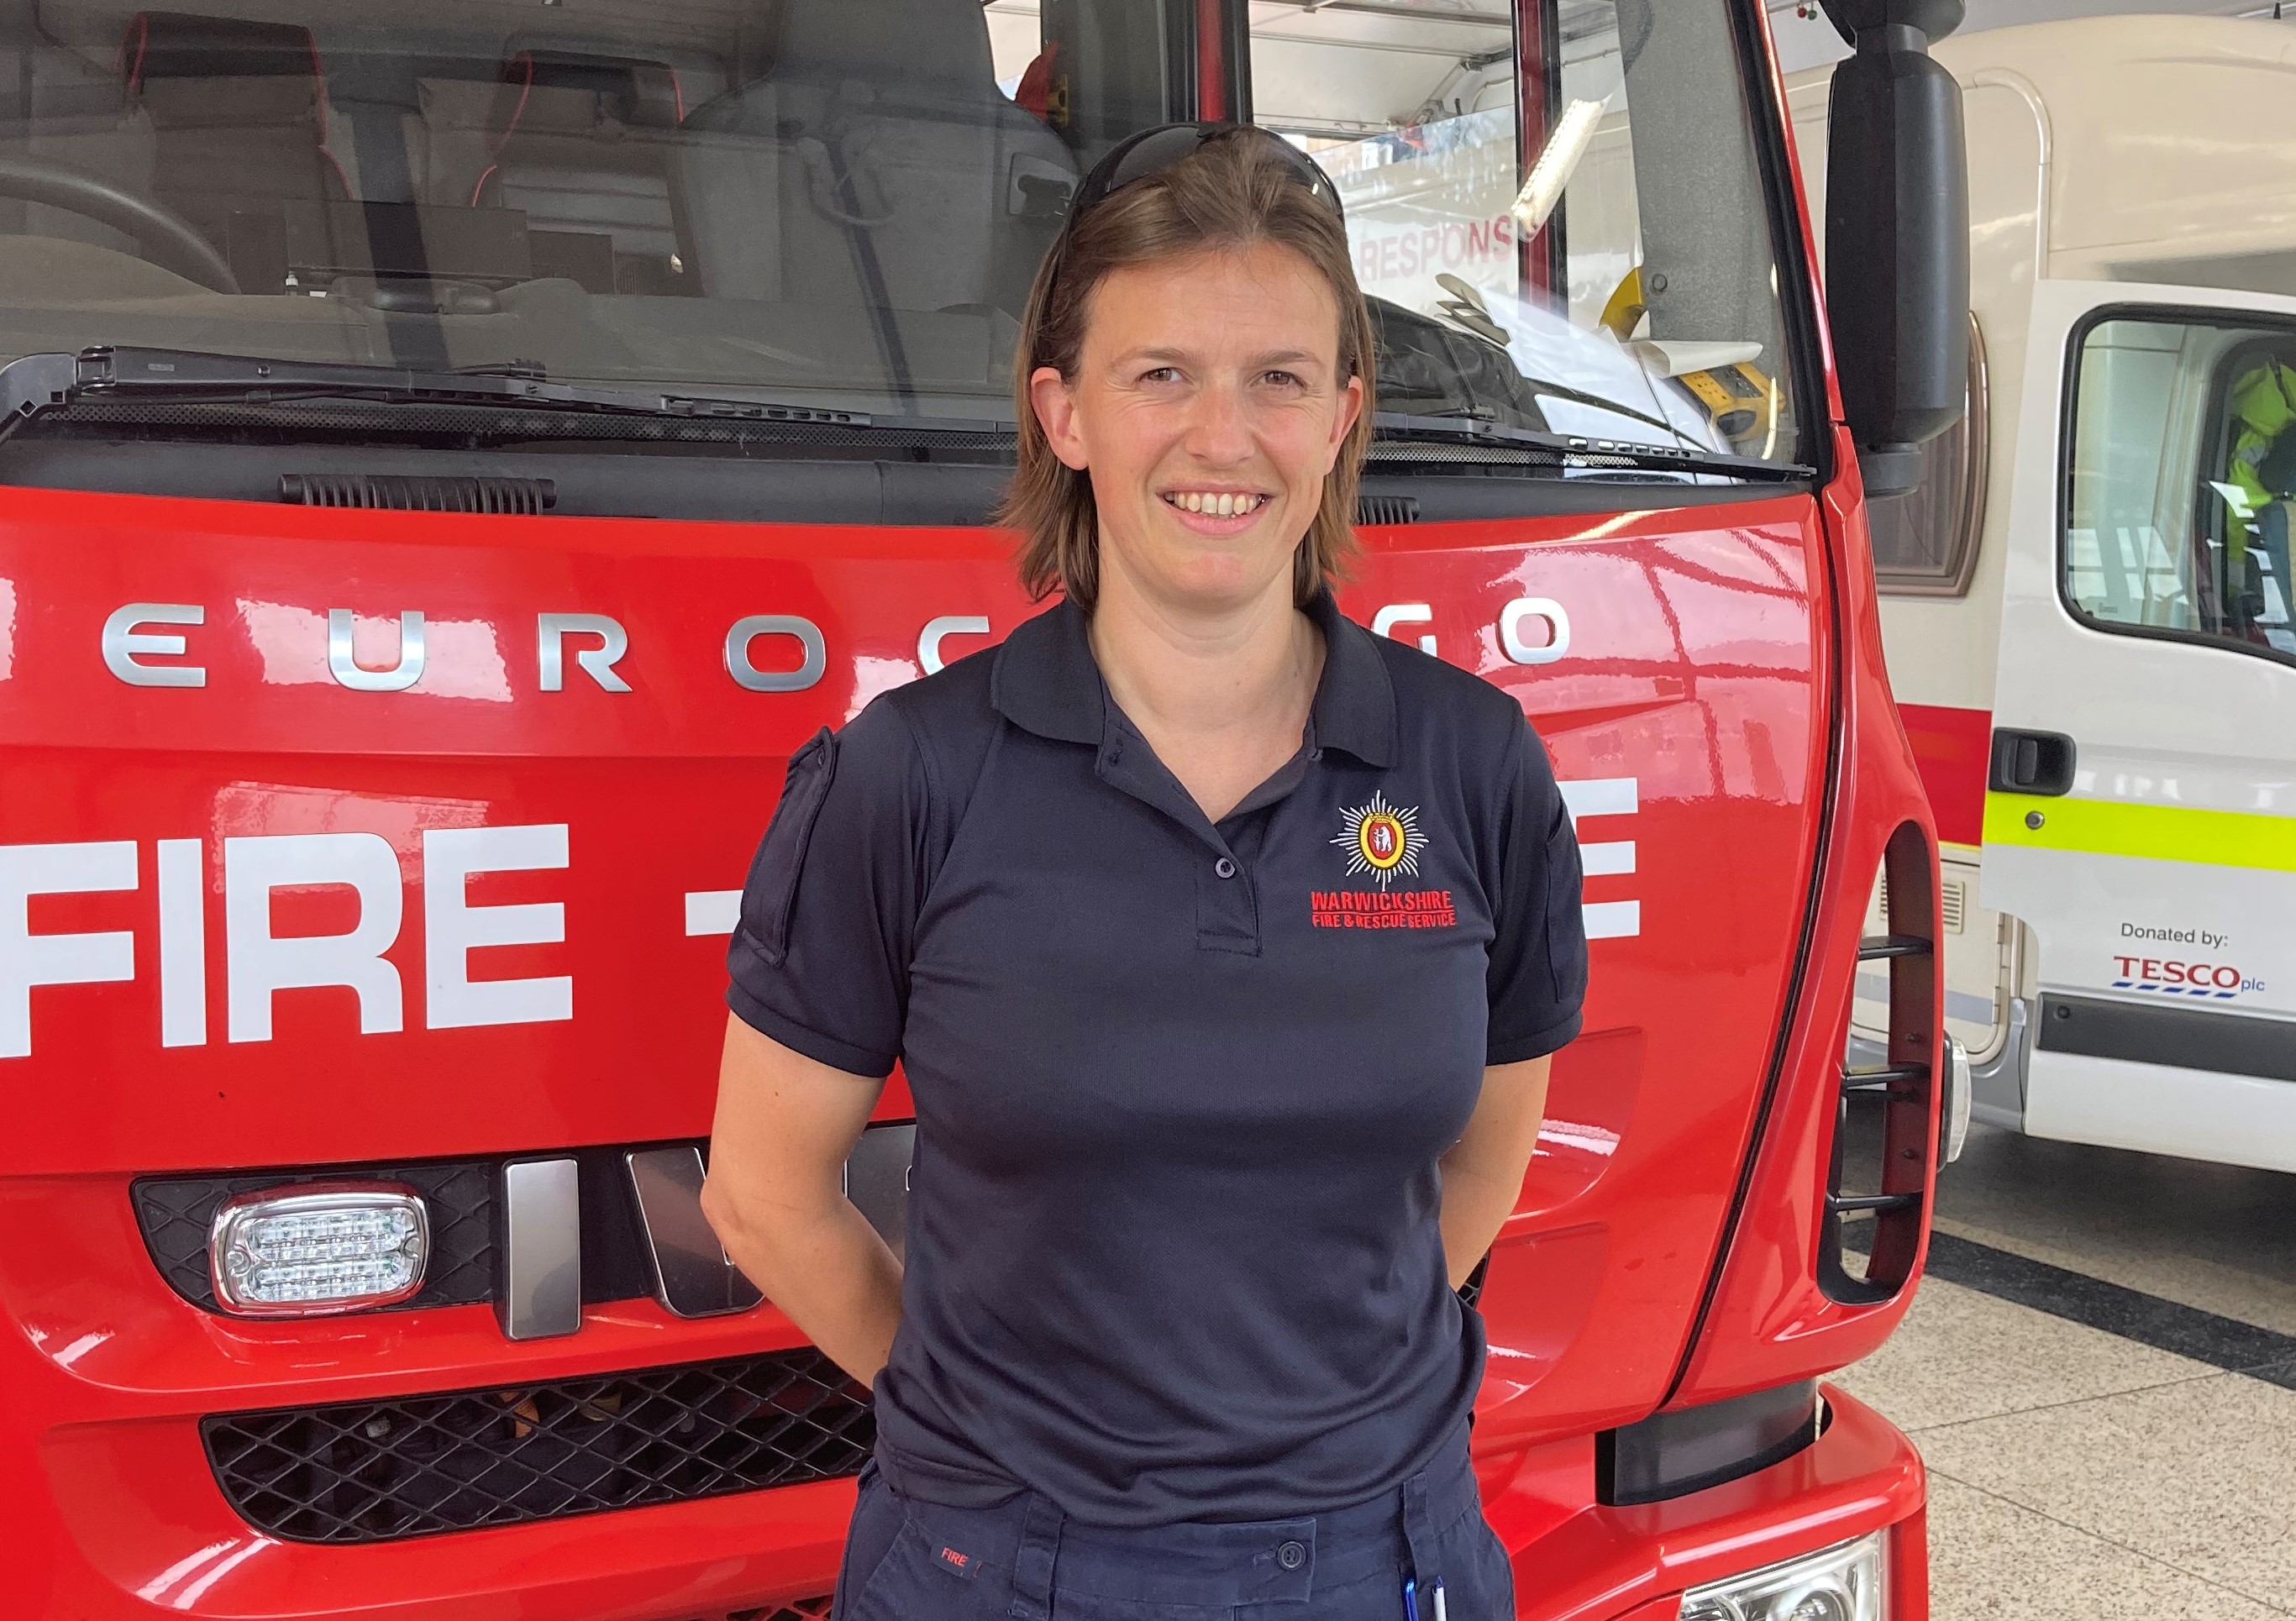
{"x":820,"y":959}
{"x":1538,"y":975}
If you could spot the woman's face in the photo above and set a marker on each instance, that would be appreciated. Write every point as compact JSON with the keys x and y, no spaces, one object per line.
{"x":1208,"y":407}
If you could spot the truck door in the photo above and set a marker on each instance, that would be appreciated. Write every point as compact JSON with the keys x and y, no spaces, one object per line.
{"x":2141,"y":807}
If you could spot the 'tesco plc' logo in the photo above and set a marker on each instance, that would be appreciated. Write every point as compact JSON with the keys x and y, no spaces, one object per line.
{"x":2216,"y":981}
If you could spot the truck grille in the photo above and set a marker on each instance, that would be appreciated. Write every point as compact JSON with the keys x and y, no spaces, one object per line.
{"x":416,"y":493}
{"x":176,"y":1213}
{"x":796,"y":1610}
{"x":380,"y":1471}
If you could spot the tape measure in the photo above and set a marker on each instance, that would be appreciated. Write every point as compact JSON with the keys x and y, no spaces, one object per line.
{"x":1737,"y":399}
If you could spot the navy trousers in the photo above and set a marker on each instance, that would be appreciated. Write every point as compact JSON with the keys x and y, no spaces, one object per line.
{"x":1024,"y":1560}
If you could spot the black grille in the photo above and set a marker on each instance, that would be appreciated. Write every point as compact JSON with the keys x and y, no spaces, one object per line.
{"x":175,"y":1213}
{"x":374,"y":1471}
{"x":423,"y":494}
{"x":795,"y":1610}
{"x":497,"y":424}
{"x":1387,"y":509}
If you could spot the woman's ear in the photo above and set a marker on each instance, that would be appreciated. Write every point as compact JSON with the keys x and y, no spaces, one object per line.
{"x":1343,"y":419}
{"x":1056,"y":414}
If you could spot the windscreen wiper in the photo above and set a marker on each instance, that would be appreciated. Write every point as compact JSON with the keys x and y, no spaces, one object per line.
{"x":37,"y":384}
{"x":1572,"y":452}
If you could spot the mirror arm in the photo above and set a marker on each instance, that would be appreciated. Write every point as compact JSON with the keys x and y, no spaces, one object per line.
{"x":1933,"y":20}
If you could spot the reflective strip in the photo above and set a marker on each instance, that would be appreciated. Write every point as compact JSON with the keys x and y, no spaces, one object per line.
{"x":2155,"y":832}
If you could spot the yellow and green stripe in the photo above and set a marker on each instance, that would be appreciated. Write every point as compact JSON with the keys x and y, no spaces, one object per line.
{"x":2153,"y":832}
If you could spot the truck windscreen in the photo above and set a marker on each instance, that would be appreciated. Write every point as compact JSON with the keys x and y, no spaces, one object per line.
{"x":840,"y":203}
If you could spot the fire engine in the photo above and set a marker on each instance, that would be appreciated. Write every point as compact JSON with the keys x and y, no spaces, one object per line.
{"x":456,"y":451}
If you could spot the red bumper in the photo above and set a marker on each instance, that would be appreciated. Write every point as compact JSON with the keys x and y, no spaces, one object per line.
{"x":1586,"y":1562}
{"x":119,"y":1516}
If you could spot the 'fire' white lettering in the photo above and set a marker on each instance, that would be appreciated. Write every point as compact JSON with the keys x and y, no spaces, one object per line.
{"x":261,"y":964}
{"x":26,"y":958}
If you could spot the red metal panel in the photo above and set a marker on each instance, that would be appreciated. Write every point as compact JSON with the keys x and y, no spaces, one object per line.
{"x":1698,"y":644}
{"x":1212,"y":69}
{"x":1768,"y":1320}
{"x":1533,"y":122}
{"x":1952,"y":748}
{"x":1632,"y":1564}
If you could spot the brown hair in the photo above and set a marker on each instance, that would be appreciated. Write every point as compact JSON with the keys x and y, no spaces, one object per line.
{"x":1232,"y":193}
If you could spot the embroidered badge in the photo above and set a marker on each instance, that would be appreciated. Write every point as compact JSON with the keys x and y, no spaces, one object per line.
{"x":1381,"y":839}
{"x":955,"y":1563}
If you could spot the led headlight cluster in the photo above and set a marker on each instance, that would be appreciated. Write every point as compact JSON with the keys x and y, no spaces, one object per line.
{"x":311,"y":1250}
{"x":1842,"y":1584}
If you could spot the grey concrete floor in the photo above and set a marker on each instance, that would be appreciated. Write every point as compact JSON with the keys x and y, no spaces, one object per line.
{"x":2100,"y":1373}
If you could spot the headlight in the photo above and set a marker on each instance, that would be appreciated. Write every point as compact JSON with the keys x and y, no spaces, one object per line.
{"x":311,"y":1249}
{"x":1842,"y":1583}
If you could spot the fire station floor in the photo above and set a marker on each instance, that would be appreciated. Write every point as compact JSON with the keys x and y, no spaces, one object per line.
{"x":2100,"y":1370}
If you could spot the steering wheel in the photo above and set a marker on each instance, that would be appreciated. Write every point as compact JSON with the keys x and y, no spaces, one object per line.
{"x":168,"y":240}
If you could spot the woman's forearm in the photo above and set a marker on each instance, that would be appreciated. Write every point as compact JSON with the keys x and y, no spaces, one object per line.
{"x":1475,"y":1206}
{"x":1482,"y":1175}
{"x":786,"y":1126}
{"x":828,"y":1272}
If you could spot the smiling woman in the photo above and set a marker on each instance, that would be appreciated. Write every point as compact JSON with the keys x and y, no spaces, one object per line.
{"x":1225,"y":287}
{"x":1205,"y":1143}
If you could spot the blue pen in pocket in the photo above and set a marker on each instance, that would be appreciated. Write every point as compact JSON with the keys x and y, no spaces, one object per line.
{"x":1410,"y":1599}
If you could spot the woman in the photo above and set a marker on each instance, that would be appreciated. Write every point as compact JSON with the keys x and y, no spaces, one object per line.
{"x":1224,"y":943}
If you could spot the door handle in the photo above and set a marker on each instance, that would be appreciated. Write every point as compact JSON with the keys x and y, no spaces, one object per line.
{"x":2031,"y":762}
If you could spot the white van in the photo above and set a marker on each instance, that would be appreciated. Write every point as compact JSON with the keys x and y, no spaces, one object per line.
{"x":2086,"y":606}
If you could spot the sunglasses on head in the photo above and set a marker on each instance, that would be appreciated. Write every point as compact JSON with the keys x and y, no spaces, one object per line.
{"x":1151,"y":151}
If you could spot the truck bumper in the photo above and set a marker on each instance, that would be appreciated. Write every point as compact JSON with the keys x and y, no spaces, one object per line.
{"x":115,"y":1519}
{"x":1579,"y":1561}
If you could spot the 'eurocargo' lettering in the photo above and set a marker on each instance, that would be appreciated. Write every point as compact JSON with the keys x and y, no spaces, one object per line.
{"x":139,"y":654}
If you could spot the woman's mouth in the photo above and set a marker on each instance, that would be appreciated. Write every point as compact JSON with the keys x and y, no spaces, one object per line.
{"x":1217,"y":503}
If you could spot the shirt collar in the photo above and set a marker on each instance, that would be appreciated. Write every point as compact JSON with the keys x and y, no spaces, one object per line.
{"x":1047,"y":680}
{"x":1355,"y":701}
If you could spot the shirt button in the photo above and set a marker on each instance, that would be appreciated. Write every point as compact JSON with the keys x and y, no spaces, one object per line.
{"x":1226,"y":869}
{"x":1292,"y":1555}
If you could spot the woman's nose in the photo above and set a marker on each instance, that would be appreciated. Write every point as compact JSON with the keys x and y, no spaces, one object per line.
{"x":1219,"y":426}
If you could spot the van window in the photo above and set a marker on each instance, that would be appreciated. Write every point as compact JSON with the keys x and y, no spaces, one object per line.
{"x":2182,"y":473}
{"x":1925,"y":540}
{"x":838,"y":205}
{"x":1644,"y":305}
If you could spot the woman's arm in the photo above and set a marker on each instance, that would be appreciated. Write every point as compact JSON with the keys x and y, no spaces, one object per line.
{"x":1482,"y":1175}
{"x":776,"y":1196}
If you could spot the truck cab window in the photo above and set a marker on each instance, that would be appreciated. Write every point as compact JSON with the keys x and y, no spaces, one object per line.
{"x":838,"y":206}
{"x":2183,"y":468}
{"x":1632,"y":292}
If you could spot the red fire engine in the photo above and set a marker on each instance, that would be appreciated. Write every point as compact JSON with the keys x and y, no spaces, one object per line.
{"x":455,"y":452}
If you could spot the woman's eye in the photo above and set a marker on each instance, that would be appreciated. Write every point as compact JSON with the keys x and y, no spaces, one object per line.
{"x":1281,"y":380}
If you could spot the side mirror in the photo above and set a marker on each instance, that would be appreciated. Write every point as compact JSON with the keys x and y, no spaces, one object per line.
{"x":1897,"y":234}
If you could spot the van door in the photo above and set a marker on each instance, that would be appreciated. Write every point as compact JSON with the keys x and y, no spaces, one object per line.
{"x":2141,"y":808}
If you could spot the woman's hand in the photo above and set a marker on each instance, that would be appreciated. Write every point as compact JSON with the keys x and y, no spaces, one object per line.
{"x":775,"y":1195}
{"x":1482,"y":1175}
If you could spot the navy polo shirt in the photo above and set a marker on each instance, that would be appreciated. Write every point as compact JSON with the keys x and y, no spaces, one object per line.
{"x":1181,"y":1087}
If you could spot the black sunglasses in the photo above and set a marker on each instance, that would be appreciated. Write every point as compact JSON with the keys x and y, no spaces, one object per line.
{"x":1151,"y":151}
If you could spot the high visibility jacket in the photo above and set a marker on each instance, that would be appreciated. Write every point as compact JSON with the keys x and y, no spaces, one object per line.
{"x":2263,"y":406}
